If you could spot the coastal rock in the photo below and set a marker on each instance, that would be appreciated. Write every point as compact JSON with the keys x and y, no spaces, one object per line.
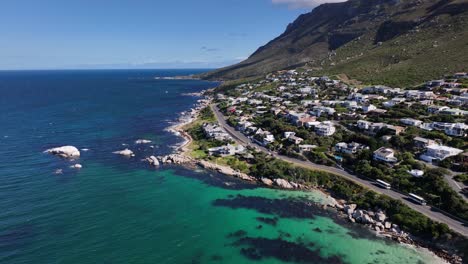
{"x":153,"y":161}
{"x":349,"y":208}
{"x":142,"y":141}
{"x":125,"y":152}
{"x":358,"y":215}
{"x":366,"y":219}
{"x":175,"y":158}
{"x":283,"y":183}
{"x":388,"y":225}
{"x":380,"y":225}
{"x":68,"y":152}
{"x":267,"y":181}
{"x":76,"y":166}
{"x":243,"y":176}
{"x":380,"y":217}
{"x":294,"y":185}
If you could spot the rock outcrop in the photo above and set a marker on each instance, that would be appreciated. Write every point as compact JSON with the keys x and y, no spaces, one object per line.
{"x":153,"y":161}
{"x":68,"y":152}
{"x":282,"y":183}
{"x":267,"y":181}
{"x":175,"y":159}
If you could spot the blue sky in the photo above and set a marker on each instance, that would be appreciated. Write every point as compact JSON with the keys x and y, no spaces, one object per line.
{"x":138,"y":33}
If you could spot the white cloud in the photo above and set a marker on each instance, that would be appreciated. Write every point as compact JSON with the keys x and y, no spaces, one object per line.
{"x":304,"y":3}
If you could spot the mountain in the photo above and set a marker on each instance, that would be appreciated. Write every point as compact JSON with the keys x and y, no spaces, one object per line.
{"x":386,"y":41}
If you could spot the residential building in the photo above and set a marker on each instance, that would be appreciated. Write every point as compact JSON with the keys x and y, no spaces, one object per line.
{"x":215,"y":131}
{"x":411,"y":122}
{"x":422,"y":143}
{"x":349,"y":148}
{"x":438,"y":153}
{"x":457,"y":130}
{"x":307,"y":147}
{"x":325,"y":129}
{"x":319,"y":110}
{"x":228,"y":150}
{"x":453,"y":112}
{"x":385,"y":155}
{"x":295,"y":140}
{"x":368,"y":108}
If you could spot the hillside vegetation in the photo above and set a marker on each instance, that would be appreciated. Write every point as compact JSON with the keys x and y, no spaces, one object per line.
{"x":394,"y":42}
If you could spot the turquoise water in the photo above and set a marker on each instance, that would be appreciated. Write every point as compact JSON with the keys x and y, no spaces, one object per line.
{"x":118,"y":210}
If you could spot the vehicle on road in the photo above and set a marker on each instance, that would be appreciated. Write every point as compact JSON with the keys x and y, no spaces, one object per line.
{"x":383,"y":184}
{"x":418,"y":199}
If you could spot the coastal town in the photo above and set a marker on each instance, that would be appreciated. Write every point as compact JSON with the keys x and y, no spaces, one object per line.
{"x":409,"y":140}
{"x":391,"y":134}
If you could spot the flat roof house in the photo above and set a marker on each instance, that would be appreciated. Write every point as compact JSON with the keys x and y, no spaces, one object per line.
{"x":411,"y":122}
{"x":385,"y":155}
{"x":421,"y":142}
{"x":349,"y":148}
{"x":438,"y":153}
{"x":325,"y":129}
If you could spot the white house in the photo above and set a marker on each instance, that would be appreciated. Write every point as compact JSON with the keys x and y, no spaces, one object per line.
{"x":325,"y":129}
{"x":349,"y":148}
{"x":456,"y":130}
{"x":364,"y":125}
{"x":411,"y":122}
{"x":437,"y":153}
{"x":307,"y":147}
{"x":369,"y":108}
{"x":385,"y":155}
{"x":288,"y":134}
{"x":228,"y":150}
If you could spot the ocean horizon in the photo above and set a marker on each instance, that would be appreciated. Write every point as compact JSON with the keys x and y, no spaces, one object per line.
{"x":120,"y":210}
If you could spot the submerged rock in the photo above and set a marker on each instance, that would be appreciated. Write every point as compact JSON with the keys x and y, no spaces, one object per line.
{"x":125,"y":152}
{"x":68,"y":152}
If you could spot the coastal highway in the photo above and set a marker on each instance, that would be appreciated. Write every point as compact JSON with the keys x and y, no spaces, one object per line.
{"x":433,"y":213}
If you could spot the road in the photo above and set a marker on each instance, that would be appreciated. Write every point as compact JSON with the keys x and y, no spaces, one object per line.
{"x":433,"y":213}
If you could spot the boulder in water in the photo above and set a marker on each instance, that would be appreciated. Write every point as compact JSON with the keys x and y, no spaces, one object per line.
{"x":68,"y":152}
{"x":125,"y":152}
{"x":76,"y":166}
{"x":142,"y":141}
{"x":153,"y":161}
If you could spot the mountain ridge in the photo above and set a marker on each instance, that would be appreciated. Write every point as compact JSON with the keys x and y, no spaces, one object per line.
{"x":372,"y":40}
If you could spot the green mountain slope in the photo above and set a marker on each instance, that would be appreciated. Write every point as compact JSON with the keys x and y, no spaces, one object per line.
{"x":397,"y":42}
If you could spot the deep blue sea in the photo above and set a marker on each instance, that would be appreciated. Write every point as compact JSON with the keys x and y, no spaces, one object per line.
{"x":118,"y":210}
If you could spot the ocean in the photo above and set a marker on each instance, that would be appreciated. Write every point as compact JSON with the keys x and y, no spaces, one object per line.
{"x":118,"y":210}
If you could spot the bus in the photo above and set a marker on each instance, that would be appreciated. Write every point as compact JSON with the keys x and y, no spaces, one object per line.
{"x":383,"y":184}
{"x":417,"y":199}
